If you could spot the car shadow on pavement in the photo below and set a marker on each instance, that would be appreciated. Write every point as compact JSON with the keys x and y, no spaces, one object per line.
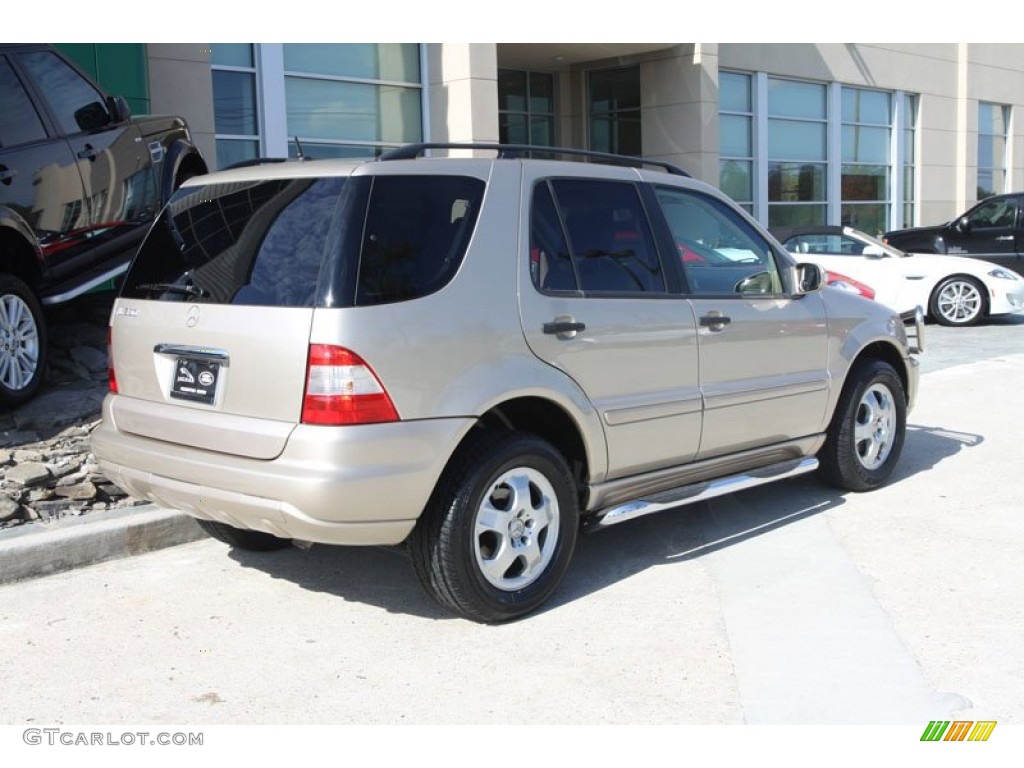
{"x":383,"y":576}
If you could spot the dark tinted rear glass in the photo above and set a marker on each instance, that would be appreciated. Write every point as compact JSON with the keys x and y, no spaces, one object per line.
{"x":309,"y":242}
{"x":250,"y":243}
{"x":416,"y":233}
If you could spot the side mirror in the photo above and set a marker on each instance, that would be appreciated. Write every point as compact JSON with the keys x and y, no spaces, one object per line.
{"x":118,"y":108}
{"x":92,"y":117}
{"x":809,"y":278}
{"x":873,"y":252}
{"x":963,"y":224}
{"x":759,"y":282}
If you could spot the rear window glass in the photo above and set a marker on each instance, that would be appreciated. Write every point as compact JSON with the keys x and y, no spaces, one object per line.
{"x":416,"y":233}
{"x":308,"y":242}
{"x":255,"y":244}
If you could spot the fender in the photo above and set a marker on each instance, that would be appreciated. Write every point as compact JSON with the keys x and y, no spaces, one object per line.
{"x":173,"y":159}
{"x":11,"y":221}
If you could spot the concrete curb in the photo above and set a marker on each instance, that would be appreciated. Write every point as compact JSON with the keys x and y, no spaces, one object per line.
{"x":41,"y":549}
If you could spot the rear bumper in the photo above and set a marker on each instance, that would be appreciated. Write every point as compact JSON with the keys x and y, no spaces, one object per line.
{"x":332,"y":485}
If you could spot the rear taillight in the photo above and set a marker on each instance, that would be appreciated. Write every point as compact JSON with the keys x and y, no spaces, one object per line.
{"x":342,"y":389}
{"x":847,"y":283}
{"x":110,"y":360}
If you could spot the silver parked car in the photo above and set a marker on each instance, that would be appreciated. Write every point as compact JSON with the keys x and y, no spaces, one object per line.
{"x":479,"y":357}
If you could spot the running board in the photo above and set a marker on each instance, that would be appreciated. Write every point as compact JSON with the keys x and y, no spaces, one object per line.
{"x":690,"y":494}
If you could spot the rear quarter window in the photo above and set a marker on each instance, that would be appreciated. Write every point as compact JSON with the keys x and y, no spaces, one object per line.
{"x":416,"y":234}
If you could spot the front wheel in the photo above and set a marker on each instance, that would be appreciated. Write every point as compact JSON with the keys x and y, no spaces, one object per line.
{"x":22,"y":342}
{"x":497,"y":535}
{"x":958,"y":301}
{"x":868,"y":428}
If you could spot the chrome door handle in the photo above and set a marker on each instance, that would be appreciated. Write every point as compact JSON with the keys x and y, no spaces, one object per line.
{"x":1005,"y":237}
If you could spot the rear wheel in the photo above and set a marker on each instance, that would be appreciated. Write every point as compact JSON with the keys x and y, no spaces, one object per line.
{"x":22,"y":342}
{"x":497,"y":535}
{"x":255,"y":541}
{"x":958,"y":301}
{"x":867,"y":432}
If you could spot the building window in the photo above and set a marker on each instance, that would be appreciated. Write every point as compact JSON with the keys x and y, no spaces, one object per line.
{"x":908,"y":161}
{"x":736,"y":138}
{"x":614,"y":99}
{"x":234,"y":103}
{"x":866,"y":152}
{"x":352,"y":99}
{"x":336,"y":100}
{"x":993,"y":120}
{"x":526,"y":107}
{"x":797,"y":153}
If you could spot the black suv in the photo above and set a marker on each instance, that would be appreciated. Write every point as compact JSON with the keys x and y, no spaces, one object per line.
{"x":80,"y":182}
{"x":992,"y":230}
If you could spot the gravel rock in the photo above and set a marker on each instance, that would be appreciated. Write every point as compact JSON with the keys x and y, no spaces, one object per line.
{"x":47,"y":469}
{"x":31,"y":473}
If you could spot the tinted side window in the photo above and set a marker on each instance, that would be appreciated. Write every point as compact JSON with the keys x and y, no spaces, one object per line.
{"x":720,"y":252}
{"x":416,"y":234}
{"x":550,"y":262}
{"x":19,"y":123}
{"x":255,"y":244}
{"x":76,"y":105}
{"x":997,"y":213}
{"x":609,"y":236}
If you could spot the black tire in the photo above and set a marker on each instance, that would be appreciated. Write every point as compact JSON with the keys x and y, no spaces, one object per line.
{"x":868,"y":429}
{"x":22,"y":342}
{"x":958,"y":301}
{"x":496,"y":569}
{"x":254,"y":541}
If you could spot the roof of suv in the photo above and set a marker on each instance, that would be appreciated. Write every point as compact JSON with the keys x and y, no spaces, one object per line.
{"x":262,"y":169}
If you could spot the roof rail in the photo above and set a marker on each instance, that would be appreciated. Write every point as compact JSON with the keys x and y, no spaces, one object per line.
{"x":512,"y":151}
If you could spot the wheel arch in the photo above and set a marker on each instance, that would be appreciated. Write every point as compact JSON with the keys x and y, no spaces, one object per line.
{"x":887,"y":353}
{"x":549,"y":421}
{"x":182,"y":157}
{"x":19,"y":255}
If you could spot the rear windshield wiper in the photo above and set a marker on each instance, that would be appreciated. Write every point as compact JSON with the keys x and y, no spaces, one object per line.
{"x":187,"y":290}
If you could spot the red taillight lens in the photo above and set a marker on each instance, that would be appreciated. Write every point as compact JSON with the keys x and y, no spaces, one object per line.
{"x":839,"y":280}
{"x":342,"y":389}
{"x":110,"y":360}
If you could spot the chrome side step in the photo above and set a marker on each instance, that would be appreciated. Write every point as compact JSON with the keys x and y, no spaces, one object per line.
{"x":690,"y":494}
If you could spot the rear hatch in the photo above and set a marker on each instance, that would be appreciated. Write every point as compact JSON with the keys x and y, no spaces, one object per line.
{"x":210,"y":336}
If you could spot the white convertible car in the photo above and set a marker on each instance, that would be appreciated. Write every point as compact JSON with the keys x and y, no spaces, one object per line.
{"x":950,"y":289}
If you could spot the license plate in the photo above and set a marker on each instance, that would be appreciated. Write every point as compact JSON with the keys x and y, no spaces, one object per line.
{"x":195,"y":380}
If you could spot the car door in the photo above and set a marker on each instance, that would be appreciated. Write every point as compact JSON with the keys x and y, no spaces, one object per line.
{"x":113,"y":161}
{"x":39,"y":180}
{"x":599,"y":305}
{"x":988,"y":231}
{"x":763,"y":349}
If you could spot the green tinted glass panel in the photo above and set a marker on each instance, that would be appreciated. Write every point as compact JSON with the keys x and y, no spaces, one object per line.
{"x":796,"y":182}
{"x":863,"y":144}
{"x":343,"y":151}
{"x":735,"y":178}
{"x":542,"y":92}
{"x":615,"y":89}
{"x":511,"y":90}
{"x":734,"y":136}
{"x":368,"y":61}
{"x":512,"y":129}
{"x":787,"y":98}
{"x":861,"y":106}
{"x":865,"y":182}
{"x":870,"y":218}
{"x":234,"y":103}
{"x":795,"y":140}
{"x":542,"y":131}
{"x":795,"y":215}
{"x":231,"y":54}
{"x":734,"y":92}
{"x":119,"y":68}
{"x":231,"y":151}
{"x":328,"y":109}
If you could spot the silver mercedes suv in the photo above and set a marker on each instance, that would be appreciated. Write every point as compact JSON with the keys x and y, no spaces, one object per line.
{"x":480,"y":357}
